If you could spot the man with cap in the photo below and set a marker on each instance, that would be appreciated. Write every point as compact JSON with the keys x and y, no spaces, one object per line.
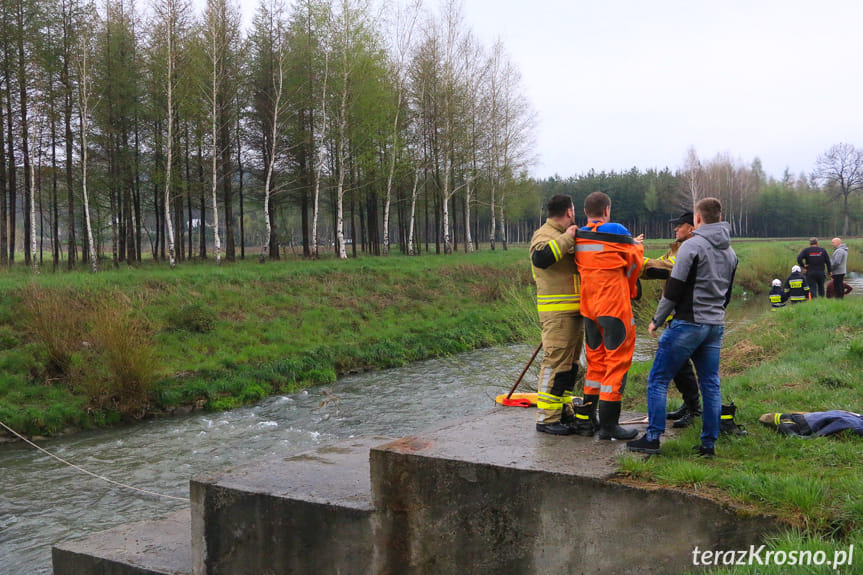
{"x":813,"y":259}
{"x":660,"y":268}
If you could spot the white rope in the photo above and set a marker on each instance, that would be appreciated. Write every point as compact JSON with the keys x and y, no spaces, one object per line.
{"x":90,"y":473}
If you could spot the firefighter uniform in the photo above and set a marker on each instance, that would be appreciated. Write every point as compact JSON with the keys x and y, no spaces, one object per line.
{"x":797,"y":287}
{"x":609,"y":265}
{"x":558,"y":304}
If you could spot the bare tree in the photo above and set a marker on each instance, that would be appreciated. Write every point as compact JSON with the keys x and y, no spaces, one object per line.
{"x":405,"y":22}
{"x":84,"y":94}
{"x":841,"y":170}
{"x":693,"y":174}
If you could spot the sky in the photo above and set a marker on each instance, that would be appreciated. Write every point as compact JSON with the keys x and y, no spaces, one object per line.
{"x":619,"y":84}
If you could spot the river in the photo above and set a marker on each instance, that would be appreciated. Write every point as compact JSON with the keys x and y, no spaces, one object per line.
{"x":43,"y":502}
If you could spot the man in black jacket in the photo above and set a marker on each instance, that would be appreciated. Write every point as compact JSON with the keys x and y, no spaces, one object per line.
{"x":813,"y":260}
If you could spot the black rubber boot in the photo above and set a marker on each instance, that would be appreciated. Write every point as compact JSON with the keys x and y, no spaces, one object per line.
{"x":593,"y":401}
{"x":726,"y":421}
{"x":609,"y":416}
{"x":581,"y":423}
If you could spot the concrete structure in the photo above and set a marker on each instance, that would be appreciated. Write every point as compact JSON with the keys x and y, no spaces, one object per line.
{"x":485,"y":495}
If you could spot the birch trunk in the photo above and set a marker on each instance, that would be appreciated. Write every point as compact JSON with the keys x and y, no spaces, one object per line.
{"x":169,"y":155}
{"x":318,"y":137}
{"x":265,"y":249}
{"x":413,"y":211}
{"x":84,"y":112}
{"x":214,"y":56}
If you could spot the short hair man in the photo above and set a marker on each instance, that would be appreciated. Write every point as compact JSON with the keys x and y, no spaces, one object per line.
{"x":838,"y":263}
{"x":813,"y":260}
{"x":698,"y":292}
{"x":558,"y":304}
{"x":609,"y":261}
{"x":660,"y":268}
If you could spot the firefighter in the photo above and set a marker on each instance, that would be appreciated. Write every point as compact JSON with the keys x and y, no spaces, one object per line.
{"x":609,"y":262}
{"x":796,"y":286}
{"x":558,"y":304}
{"x":778,"y":295}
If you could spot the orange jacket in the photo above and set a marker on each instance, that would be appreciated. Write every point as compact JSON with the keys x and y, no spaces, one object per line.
{"x":609,"y":265}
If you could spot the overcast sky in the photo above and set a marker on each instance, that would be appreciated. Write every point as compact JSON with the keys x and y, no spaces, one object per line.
{"x":635,"y":83}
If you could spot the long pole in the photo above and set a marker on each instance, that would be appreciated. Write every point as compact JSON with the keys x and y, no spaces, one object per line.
{"x":526,"y":367}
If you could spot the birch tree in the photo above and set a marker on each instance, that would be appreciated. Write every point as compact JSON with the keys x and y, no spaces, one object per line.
{"x":83,"y":57}
{"x":270,"y":52}
{"x":172,"y":14}
{"x":404,"y":27}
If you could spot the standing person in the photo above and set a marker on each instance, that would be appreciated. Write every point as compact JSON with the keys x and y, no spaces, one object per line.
{"x":796,"y":286}
{"x":609,"y":262}
{"x":558,"y":304}
{"x":684,"y":379}
{"x":698,"y":292}
{"x":814,"y":259}
{"x":838,"y":264}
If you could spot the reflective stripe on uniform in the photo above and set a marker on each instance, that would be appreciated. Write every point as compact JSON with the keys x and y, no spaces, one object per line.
{"x":548,"y":401}
{"x":589,"y":247}
{"x":555,"y":249}
{"x":560,"y":302}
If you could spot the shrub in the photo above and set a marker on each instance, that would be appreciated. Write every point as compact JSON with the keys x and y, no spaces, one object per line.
{"x":57,"y":320}
{"x":193,"y":317}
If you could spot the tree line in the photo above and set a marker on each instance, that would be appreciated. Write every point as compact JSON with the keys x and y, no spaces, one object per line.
{"x":132,"y":131}
{"x":824,"y":203}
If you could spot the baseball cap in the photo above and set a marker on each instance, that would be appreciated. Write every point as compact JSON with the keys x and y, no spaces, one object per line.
{"x":684,"y":218}
{"x":813,"y":241}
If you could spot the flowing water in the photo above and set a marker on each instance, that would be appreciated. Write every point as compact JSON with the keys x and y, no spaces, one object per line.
{"x":43,"y":502}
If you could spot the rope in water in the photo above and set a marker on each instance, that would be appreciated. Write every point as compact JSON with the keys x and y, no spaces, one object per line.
{"x":90,"y":473}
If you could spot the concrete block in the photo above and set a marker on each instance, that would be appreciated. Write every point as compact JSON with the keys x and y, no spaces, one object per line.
{"x":310,"y":513}
{"x":491,"y":495}
{"x":145,"y":548}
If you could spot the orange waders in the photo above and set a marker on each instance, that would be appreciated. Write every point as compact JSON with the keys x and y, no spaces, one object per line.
{"x":609,"y":265}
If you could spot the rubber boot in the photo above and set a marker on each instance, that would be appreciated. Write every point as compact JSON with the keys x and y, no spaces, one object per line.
{"x":609,"y":416}
{"x":593,"y":401}
{"x":726,"y":421}
{"x":581,"y":423}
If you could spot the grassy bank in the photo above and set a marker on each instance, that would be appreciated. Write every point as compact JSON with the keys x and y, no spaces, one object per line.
{"x":80,"y":350}
{"x":802,"y":358}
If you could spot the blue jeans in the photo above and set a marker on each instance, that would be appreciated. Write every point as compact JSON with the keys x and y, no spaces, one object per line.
{"x":680,"y":341}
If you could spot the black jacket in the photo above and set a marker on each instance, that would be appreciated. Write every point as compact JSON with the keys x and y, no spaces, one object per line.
{"x":814,"y":258}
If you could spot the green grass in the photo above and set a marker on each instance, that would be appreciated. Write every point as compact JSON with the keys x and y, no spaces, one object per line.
{"x":219,"y":337}
{"x":802,"y":358}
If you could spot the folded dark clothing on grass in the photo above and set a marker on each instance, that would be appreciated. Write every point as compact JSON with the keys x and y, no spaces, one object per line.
{"x":814,"y":424}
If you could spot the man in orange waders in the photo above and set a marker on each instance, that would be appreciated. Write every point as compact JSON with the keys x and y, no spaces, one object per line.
{"x":557,"y":301}
{"x":609,"y":262}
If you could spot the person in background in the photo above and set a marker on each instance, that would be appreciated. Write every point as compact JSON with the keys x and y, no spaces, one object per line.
{"x":609,"y":261}
{"x":558,"y":304}
{"x":778,"y":295}
{"x":698,"y":292}
{"x":684,"y":379}
{"x":838,"y":263}
{"x":796,"y":286}
{"x":813,"y":260}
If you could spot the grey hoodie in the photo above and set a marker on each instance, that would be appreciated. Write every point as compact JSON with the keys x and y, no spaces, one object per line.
{"x":839,"y":260}
{"x":699,"y":288}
